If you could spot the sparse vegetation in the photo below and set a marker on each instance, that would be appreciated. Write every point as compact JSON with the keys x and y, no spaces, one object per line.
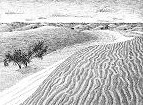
{"x":22,"y":57}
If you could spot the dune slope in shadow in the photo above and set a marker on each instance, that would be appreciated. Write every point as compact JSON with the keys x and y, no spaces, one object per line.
{"x":99,"y":75}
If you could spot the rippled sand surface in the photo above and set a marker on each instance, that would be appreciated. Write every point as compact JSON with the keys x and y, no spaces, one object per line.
{"x":110,"y":74}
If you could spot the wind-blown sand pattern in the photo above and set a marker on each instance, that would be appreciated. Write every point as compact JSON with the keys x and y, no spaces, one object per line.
{"x":110,"y":74}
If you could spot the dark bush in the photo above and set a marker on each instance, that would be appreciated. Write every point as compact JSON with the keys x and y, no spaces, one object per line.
{"x":20,"y":58}
{"x":37,"y":50}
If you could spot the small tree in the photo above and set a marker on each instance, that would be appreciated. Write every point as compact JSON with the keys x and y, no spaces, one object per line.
{"x":22,"y":58}
{"x":18,"y":57}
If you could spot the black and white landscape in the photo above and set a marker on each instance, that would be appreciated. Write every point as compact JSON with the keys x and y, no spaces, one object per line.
{"x":71,"y":52}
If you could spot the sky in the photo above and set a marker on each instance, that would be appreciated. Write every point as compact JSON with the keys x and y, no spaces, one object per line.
{"x":71,"y":10}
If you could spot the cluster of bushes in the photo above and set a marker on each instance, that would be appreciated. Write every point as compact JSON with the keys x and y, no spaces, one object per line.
{"x":21,"y":58}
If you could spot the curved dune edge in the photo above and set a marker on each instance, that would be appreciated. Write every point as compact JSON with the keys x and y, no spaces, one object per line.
{"x":101,"y":74}
{"x":116,"y":36}
{"x":23,"y":89}
{"x":45,"y":62}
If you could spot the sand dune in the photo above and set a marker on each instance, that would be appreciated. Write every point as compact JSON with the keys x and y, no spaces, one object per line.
{"x":10,"y":75}
{"x":98,"y":75}
{"x":19,"y":92}
{"x":32,"y":86}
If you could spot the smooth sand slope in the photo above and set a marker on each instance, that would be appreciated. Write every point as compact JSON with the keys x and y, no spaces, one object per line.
{"x":110,"y":74}
{"x":19,"y":92}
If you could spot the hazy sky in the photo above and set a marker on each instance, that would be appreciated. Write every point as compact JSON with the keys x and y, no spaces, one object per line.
{"x":108,"y":10}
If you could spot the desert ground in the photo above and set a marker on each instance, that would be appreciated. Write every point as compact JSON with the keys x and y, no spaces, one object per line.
{"x":19,"y":84}
{"x":71,"y":52}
